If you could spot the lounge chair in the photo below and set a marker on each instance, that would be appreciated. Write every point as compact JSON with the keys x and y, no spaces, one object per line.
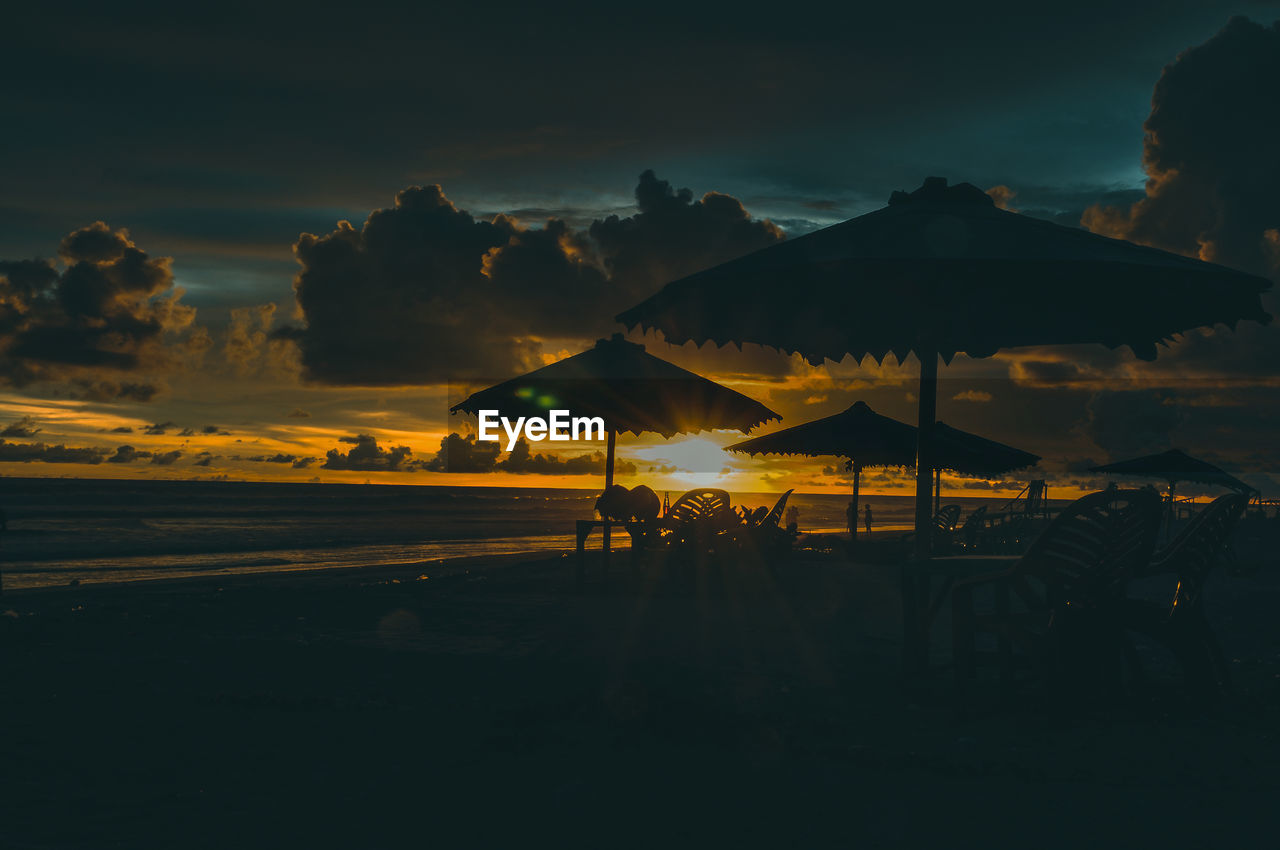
{"x":761,"y":533}
{"x":704,"y":505}
{"x":946,"y":518}
{"x":1057,"y":596}
{"x":693,"y":522}
{"x":702,"y":523}
{"x":971,"y":532}
{"x":1180,"y":624}
{"x":944,"y":526}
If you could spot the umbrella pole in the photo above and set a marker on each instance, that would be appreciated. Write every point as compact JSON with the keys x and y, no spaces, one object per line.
{"x":608,"y":481}
{"x":915,"y":577}
{"x":853,"y":513}
{"x":924,"y":450}
{"x":937,"y":491}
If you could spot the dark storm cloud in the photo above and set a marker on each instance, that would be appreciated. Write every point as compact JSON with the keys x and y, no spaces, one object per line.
{"x":166,"y":458}
{"x":24,"y":427}
{"x":548,"y":277}
{"x":672,"y":235}
{"x":522,"y":460}
{"x":464,"y":454}
{"x":42,"y":453}
{"x":127,"y":454}
{"x":102,"y":389}
{"x":122,"y":429}
{"x":108,"y":312}
{"x":298,"y":413}
{"x":1210,"y":155}
{"x":425,"y":293}
{"x":206,"y":431}
{"x":1213,"y":181}
{"x":366,"y":456}
{"x":866,"y":96}
{"x":277,"y":458}
{"x":403,"y":300}
{"x":159,"y":428}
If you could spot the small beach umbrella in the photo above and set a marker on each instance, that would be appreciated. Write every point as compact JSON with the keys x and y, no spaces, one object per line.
{"x":869,"y":439}
{"x":630,"y":389}
{"x":940,"y":271}
{"x":1174,"y":466}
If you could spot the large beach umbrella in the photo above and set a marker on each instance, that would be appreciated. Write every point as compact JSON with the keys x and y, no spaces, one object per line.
{"x":1174,"y":466}
{"x":630,"y":389}
{"x":869,"y":439}
{"x":940,"y":271}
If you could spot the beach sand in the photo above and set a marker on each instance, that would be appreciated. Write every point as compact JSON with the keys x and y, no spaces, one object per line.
{"x":492,"y":701}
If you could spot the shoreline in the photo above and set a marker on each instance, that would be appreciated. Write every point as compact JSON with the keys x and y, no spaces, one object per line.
{"x":817,"y":540}
{"x":310,"y":576}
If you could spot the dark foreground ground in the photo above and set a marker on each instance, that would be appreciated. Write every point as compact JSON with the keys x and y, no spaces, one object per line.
{"x":501,"y":707}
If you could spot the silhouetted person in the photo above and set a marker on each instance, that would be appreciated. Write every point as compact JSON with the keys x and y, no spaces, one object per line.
{"x":866,"y":518}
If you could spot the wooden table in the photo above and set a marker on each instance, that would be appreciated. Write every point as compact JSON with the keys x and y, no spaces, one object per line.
{"x":920,"y":604}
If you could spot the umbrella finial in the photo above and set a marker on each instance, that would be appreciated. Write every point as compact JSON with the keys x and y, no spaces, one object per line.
{"x":935,"y":189}
{"x":617,"y":341}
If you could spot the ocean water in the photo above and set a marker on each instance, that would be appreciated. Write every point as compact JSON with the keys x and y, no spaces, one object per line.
{"x":61,"y":530}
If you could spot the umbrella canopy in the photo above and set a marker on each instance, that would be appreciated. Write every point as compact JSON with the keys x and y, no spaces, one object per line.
{"x":627,"y":387}
{"x":1174,"y":466}
{"x":941,"y":270}
{"x":870,"y":439}
{"x":969,"y":454}
{"x":865,"y":437}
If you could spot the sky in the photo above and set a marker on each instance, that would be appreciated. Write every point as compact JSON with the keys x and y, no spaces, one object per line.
{"x":275,"y":242}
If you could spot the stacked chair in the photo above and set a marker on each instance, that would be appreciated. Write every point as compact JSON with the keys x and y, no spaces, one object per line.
{"x":1058,"y":603}
{"x":1064,"y":605}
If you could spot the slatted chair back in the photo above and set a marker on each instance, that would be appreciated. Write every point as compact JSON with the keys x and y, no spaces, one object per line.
{"x":1195,"y":551}
{"x":976,"y":519}
{"x":701,"y":505}
{"x":946,"y":518}
{"x":774,"y":517}
{"x":1092,"y":548}
{"x":974,"y":524}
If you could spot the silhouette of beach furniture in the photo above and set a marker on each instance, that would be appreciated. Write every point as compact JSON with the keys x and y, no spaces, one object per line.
{"x":762,"y":535}
{"x":702,"y":524}
{"x":1174,"y":466}
{"x":631,"y":390}
{"x":944,"y":529}
{"x":1059,"y":600}
{"x":1018,"y":521}
{"x":944,"y":521}
{"x":1037,"y":498}
{"x":1179,"y":622}
{"x":869,"y":439}
{"x":971,"y":533}
{"x":940,"y":271}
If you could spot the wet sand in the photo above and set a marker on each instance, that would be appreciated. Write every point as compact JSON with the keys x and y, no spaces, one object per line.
{"x":494,"y":702}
